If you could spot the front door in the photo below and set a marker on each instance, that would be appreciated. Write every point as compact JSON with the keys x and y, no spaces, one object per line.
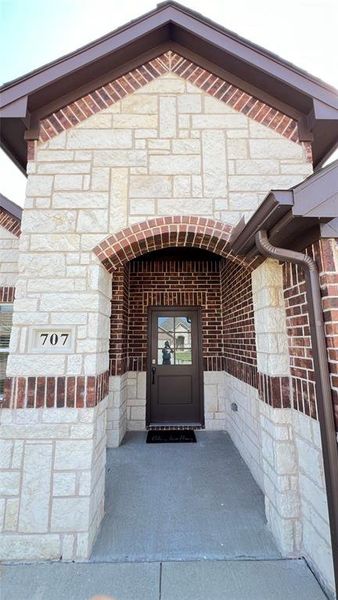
{"x":174,"y":372}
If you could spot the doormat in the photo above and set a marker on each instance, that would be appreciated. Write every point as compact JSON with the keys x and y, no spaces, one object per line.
{"x":174,"y":436}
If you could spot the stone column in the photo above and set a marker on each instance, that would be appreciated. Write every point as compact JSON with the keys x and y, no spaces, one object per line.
{"x":279,"y":458}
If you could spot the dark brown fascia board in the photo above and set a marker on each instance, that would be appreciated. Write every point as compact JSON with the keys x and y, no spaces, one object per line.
{"x":10,"y":207}
{"x":186,"y":19}
{"x":274,"y":206}
{"x":317,"y":195}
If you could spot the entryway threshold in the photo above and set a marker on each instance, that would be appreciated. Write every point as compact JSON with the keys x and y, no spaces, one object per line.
{"x":196,"y":580}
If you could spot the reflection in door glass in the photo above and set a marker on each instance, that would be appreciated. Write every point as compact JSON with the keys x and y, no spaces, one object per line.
{"x":174,"y":341}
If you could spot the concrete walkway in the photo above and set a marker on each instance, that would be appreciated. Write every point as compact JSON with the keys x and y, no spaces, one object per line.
{"x":181,"y":502}
{"x":204,"y":580}
{"x":183,"y":522}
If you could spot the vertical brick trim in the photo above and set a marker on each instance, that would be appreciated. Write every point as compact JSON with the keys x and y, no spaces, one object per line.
{"x":10,"y":222}
{"x":7,"y":294}
{"x":112,"y":92}
{"x":324,"y":252}
{"x":275,"y":391}
{"x":55,"y":392}
{"x":163,"y":232}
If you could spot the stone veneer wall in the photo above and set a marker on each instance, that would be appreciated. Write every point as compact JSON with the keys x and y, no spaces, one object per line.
{"x":9,"y":249}
{"x":52,"y":476}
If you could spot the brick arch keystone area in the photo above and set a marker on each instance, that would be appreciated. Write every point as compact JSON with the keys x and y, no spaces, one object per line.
{"x":165,"y":232}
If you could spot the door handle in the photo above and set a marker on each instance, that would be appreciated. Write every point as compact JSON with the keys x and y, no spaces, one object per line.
{"x":153,"y":371}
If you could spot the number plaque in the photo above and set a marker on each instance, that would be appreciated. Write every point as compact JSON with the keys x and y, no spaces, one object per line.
{"x":52,"y":340}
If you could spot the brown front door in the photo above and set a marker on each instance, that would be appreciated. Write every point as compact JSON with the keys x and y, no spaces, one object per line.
{"x":174,"y":372}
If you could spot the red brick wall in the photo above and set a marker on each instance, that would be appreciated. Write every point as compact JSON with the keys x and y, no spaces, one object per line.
{"x":238,"y":322}
{"x":298,"y":329}
{"x":164,"y":282}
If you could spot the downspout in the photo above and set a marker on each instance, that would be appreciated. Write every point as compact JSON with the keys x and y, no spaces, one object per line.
{"x":322,"y":376}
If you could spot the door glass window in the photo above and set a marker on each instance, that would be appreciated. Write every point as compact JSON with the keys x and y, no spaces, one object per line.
{"x":174,"y":341}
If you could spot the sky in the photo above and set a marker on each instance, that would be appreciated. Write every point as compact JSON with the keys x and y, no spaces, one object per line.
{"x":35,"y":32}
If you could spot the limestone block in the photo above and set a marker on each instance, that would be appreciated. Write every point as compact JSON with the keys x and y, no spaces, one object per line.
{"x":64,"y":484}
{"x":9,"y":483}
{"x":59,"y":415}
{"x":85,"y":483}
{"x":182,"y":186}
{"x":158,"y":144}
{"x":54,"y":156}
{"x":30,"y":547}
{"x":214,"y":163}
{"x":186,"y":146}
{"x":73,"y":455}
{"x":285,"y":458}
{"x":92,"y":220}
{"x":150,"y":186}
{"x":243,"y":200}
{"x":68,"y":182}
{"x":35,"y":492}
{"x":6,"y":447}
{"x":101,"y":120}
{"x":120,"y":158}
{"x":275,"y":148}
{"x":100,"y":179}
{"x":142,"y":206}
{"x":80,"y":200}
{"x":49,"y":221}
{"x":139,"y":104}
{"x":253,"y":167}
{"x":261,"y":183}
{"x":130,"y":121}
{"x":174,"y":165}
{"x":17,"y":454}
{"x":297,"y":168}
{"x":310,"y":460}
{"x":168,"y":117}
{"x":12,"y":513}
{"x":189,"y":103}
{"x":237,"y":148}
{"x":66,"y":242}
{"x":163,"y":85}
{"x":145,"y":133}
{"x":185,"y":206}
{"x":69,"y":302}
{"x":196,"y":183}
{"x":70,"y":514}
{"x":51,"y":168}
{"x":99,"y":138}
{"x":39,"y":185}
{"x":210,"y":398}
{"x":222,"y":121}
{"x":213,"y":105}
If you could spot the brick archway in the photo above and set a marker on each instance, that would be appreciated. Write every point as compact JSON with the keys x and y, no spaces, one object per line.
{"x":164,"y":232}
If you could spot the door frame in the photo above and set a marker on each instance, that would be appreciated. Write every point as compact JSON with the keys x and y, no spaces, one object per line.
{"x":198,"y":311}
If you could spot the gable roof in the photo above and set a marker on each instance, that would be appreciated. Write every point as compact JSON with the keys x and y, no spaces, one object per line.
{"x":283,"y":86}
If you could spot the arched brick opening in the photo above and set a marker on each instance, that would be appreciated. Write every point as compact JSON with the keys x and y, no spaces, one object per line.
{"x":165,"y":232}
{"x":213,"y":280}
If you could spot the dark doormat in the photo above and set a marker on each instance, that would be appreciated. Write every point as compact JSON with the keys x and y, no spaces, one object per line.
{"x":174,"y":436}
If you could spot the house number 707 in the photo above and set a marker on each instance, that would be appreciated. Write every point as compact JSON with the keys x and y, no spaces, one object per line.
{"x":54,"y":339}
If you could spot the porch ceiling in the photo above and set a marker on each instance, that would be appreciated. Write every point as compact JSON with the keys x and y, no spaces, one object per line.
{"x":280,"y":84}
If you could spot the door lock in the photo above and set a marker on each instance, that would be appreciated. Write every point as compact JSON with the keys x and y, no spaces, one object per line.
{"x":153,"y":371}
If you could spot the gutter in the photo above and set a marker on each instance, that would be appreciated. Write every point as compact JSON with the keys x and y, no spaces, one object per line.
{"x":322,"y":377}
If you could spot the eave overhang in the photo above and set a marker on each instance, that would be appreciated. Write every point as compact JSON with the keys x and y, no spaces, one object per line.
{"x":293,"y":218}
{"x":301,"y":96}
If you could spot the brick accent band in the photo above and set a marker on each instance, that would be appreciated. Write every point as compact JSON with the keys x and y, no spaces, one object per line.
{"x":242,"y":371}
{"x":274,"y":391}
{"x":164,"y":232}
{"x":7,"y":294}
{"x":169,"y":61}
{"x":55,"y":392}
{"x":10,"y":222}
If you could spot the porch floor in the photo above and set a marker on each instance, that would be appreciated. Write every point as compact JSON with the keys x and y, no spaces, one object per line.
{"x":181,"y":502}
